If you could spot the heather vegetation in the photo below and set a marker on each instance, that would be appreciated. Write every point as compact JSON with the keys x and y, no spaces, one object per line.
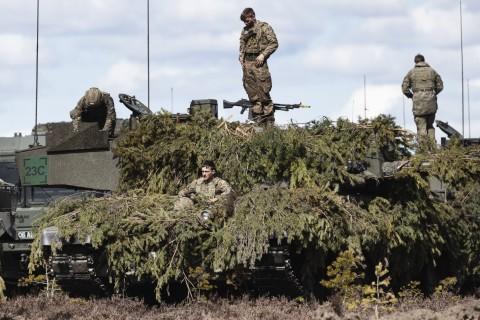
{"x":61,"y":307}
{"x":370,"y":241}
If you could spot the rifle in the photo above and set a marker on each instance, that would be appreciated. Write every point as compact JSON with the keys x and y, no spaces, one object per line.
{"x":245,"y":104}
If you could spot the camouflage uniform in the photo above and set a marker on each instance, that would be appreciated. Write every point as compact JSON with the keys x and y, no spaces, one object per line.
{"x":425,"y":83}
{"x":257,"y":81}
{"x":216,"y":188}
{"x":95,"y":106}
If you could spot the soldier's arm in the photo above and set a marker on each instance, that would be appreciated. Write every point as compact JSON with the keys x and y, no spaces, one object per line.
{"x":271,"y":40}
{"x":188,"y":190}
{"x":242,"y":48}
{"x":111,"y":115}
{"x":223,"y":188}
{"x":406,"y":85}
{"x":76,"y":113}
{"x":438,"y":83}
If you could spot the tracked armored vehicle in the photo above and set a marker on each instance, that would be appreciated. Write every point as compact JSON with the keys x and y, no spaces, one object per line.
{"x":77,"y":264}
{"x":17,"y":212}
{"x":75,"y":164}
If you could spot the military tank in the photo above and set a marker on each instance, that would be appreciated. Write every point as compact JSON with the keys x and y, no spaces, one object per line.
{"x":84,"y":164}
{"x":18,"y":209}
{"x":75,"y":165}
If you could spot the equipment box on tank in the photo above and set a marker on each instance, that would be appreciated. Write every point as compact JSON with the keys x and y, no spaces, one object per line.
{"x":209,"y":105}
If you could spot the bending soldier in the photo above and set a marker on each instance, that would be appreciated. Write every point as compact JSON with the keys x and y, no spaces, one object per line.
{"x":208,"y":189}
{"x":257,"y":43}
{"x":95,"y":106}
{"x":422,"y":84}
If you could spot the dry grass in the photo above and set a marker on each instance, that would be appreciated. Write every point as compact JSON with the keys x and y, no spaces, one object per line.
{"x":63,"y":308}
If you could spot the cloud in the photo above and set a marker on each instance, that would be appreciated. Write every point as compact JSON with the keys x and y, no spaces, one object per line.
{"x":348,"y":59}
{"x":325,"y":49}
{"x":124,"y":76}
{"x":381,"y":99}
{"x":16,"y":50}
{"x":365,"y":7}
{"x":426,"y":24}
{"x":475,"y":83}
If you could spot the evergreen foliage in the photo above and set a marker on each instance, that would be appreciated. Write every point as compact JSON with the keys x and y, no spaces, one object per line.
{"x":293,"y":186}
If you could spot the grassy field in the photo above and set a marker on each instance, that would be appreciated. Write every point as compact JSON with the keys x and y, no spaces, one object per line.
{"x":63,"y":308}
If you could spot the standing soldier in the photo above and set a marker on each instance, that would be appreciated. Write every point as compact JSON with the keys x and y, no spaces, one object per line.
{"x":257,"y":43}
{"x":95,"y":106}
{"x":422,"y":84}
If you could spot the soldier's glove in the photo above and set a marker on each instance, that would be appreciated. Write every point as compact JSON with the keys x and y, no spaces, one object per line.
{"x":260,"y":60}
{"x":409,"y":95}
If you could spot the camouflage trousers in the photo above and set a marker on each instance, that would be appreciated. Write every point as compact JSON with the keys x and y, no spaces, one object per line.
{"x":257,"y":82}
{"x":183,"y":203}
{"x":224,"y":207}
{"x":425,"y":126}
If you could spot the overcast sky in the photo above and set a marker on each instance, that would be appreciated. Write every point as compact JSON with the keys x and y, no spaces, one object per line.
{"x":326,"y":48}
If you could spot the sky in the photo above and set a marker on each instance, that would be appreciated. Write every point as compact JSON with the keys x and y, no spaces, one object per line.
{"x":326,"y":50}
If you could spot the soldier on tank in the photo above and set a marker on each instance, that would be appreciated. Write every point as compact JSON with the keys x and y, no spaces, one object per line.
{"x":257,"y":43}
{"x":422,"y":84}
{"x":95,"y":106}
{"x":208,"y":189}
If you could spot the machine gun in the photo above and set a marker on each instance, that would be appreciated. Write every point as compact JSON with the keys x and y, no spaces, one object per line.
{"x":245,"y":104}
{"x":451,"y":132}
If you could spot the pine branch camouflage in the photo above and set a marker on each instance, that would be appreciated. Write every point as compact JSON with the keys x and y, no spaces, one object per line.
{"x":293,"y":186}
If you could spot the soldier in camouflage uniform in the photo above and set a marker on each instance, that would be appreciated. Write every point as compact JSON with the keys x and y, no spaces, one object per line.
{"x":95,"y":106}
{"x":257,"y":43}
{"x":422,"y":84}
{"x":209,"y":189}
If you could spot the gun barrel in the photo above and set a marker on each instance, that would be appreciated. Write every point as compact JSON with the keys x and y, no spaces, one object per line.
{"x":286,"y":106}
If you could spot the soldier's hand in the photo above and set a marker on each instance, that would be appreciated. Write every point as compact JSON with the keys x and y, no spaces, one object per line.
{"x":260,"y":60}
{"x":212,"y":200}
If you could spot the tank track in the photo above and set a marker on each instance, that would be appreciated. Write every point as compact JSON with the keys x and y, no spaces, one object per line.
{"x":274,"y":274}
{"x":79,"y":272}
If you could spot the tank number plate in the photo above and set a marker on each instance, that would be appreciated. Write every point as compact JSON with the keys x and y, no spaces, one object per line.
{"x":25,"y":235}
{"x":35,"y":170}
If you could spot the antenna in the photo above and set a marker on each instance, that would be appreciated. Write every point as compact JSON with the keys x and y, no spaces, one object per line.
{"x":461,"y":52}
{"x":171,"y":99}
{"x":365,"y":95}
{"x":148,"y":53}
{"x":468,"y":108}
{"x":35,"y":131}
{"x":403,"y":97}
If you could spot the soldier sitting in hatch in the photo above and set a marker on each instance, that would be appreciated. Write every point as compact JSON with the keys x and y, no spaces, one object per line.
{"x":95,"y":106}
{"x":208,"y":189}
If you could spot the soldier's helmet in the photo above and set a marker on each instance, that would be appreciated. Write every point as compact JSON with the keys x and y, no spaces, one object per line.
{"x":93,"y":96}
